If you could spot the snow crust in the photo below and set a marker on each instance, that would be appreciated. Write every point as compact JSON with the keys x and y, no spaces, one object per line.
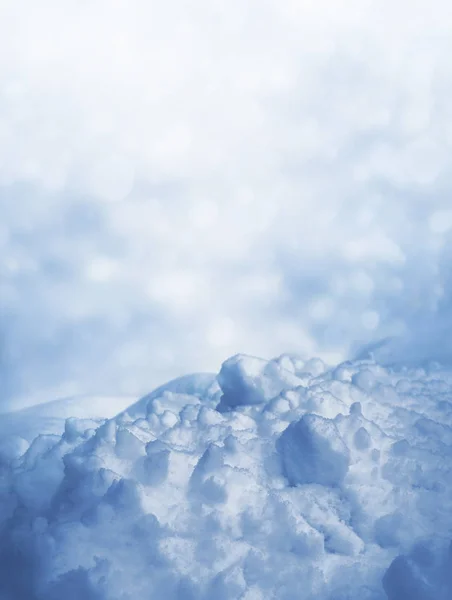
{"x":278,"y":479}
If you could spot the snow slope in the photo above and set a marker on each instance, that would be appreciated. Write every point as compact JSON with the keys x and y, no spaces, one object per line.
{"x":50,"y":417}
{"x":280,"y":480}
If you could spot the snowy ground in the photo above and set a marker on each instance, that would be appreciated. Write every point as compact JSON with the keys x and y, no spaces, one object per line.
{"x":274,"y":480}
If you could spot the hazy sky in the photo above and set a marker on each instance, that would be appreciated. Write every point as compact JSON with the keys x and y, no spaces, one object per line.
{"x":183,"y":181}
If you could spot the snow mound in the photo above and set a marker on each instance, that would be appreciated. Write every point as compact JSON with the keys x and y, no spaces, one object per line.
{"x":276,"y":480}
{"x":50,"y":417}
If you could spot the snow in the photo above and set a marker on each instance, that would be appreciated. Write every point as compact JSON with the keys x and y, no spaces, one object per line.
{"x":247,"y":380}
{"x":50,"y":417}
{"x":313,"y":451}
{"x":276,"y":479}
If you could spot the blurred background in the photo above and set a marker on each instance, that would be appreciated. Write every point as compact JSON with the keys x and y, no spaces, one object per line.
{"x":179,"y":183}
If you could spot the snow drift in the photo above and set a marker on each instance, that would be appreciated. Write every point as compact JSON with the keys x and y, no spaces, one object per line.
{"x":278,"y":479}
{"x":50,"y":417}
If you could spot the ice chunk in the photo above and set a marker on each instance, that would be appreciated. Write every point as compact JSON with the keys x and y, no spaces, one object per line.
{"x":152,"y":470}
{"x":246,"y":380}
{"x":75,"y":428}
{"x":312,"y":451}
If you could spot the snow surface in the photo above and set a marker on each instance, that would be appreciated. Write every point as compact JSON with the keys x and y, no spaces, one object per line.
{"x":50,"y":417}
{"x":278,"y":479}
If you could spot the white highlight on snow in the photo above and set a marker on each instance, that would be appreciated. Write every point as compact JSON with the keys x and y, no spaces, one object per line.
{"x":276,"y":479}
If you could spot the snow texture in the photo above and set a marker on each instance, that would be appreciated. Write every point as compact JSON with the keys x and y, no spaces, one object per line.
{"x":278,"y":479}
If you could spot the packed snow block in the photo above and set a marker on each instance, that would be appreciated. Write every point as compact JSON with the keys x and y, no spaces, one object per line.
{"x":205,"y":484}
{"x":12,"y":447}
{"x":124,"y":495}
{"x":106,"y":433}
{"x":128,"y":446}
{"x":365,"y":380}
{"x":77,"y":428}
{"x":389,"y":529}
{"x":153,"y":469}
{"x":40,"y":446}
{"x":312,"y":451}
{"x":209,"y":463}
{"x":208,"y":417}
{"x":246,"y":380}
{"x":404,"y":581}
